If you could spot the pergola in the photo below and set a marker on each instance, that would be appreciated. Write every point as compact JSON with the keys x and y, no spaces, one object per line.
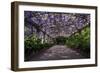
{"x":49,"y":25}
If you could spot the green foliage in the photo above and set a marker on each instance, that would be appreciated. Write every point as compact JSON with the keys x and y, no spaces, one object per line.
{"x":34,"y":44}
{"x":60,"y":40}
{"x":80,"y":40}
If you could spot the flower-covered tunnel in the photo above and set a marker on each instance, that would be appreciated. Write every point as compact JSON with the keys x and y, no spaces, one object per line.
{"x":55,"y":35}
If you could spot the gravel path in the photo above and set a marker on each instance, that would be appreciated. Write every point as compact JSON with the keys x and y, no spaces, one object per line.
{"x":57,"y":52}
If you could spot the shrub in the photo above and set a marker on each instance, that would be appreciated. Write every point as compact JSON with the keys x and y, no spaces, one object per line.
{"x":80,"y":40}
{"x":33,"y":44}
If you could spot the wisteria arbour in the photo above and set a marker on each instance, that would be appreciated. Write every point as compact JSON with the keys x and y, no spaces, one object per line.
{"x":46,"y":29}
{"x":57,"y":24}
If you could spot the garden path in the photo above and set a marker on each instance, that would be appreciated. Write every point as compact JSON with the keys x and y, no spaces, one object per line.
{"x":57,"y":52}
